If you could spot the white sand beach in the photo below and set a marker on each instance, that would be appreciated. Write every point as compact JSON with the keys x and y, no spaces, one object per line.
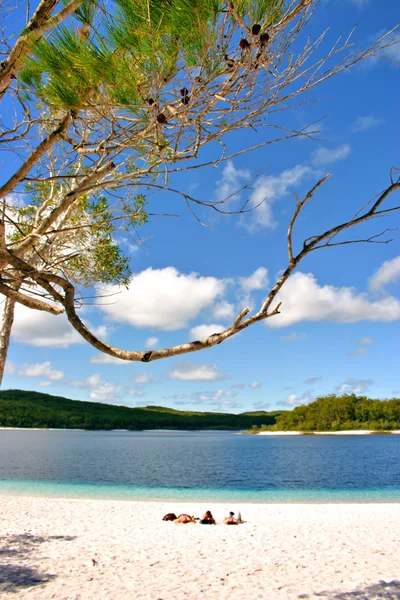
{"x":344,"y":432}
{"x":108,"y":550}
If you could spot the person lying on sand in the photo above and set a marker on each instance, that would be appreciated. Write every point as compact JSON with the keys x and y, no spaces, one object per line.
{"x":231,"y":520}
{"x":169,"y":517}
{"x":185,"y":519}
{"x":207,"y":519}
{"x":181,"y":519}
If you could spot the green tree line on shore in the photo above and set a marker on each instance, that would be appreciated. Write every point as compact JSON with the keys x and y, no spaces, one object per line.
{"x":20,"y":408}
{"x":339,"y":413}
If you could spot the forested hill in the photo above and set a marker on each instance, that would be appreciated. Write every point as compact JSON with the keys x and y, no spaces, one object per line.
{"x":338,"y":413}
{"x":20,"y":408}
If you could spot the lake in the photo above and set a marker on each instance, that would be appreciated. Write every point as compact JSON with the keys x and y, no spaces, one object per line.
{"x":195,"y":466}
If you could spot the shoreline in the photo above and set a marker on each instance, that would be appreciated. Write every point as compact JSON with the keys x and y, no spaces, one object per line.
{"x":344,"y":432}
{"x":108,"y":550}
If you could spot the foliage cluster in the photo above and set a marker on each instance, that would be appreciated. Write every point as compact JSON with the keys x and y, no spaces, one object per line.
{"x":339,"y":413}
{"x":20,"y":408}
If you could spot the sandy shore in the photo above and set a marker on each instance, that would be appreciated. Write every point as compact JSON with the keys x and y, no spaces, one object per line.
{"x":108,"y":550}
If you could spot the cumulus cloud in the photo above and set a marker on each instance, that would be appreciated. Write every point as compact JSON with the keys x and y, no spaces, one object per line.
{"x":163,"y":298}
{"x":40,"y":370}
{"x":213,"y":396}
{"x":41,"y":329}
{"x":303,"y":299}
{"x":247,"y":285}
{"x":393,"y":52}
{"x":295,"y":400}
{"x":142,"y":379}
{"x":9,"y":369}
{"x":255,"y":385}
{"x":355,"y":386}
{"x":224,"y":310}
{"x":106,"y":359}
{"x":388,"y":272}
{"x":202,"y":331}
{"x":365,"y":123}
{"x":219,"y":399}
{"x":100,"y":390}
{"x":267,"y":190}
{"x":151,"y":342}
{"x":326,"y":156}
{"x":256,"y":281}
{"x":192,"y":371}
{"x":231,"y":182}
{"x":293,"y":336}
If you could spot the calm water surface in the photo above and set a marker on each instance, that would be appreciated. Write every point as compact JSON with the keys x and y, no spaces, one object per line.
{"x":199,"y":465}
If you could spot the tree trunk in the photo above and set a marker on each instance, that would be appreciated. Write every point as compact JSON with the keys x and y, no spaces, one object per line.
{"x":5,"y":333}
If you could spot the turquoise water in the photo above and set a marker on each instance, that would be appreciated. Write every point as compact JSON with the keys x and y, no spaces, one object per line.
{"x":161,"y":494}
{"x":200,"y":466}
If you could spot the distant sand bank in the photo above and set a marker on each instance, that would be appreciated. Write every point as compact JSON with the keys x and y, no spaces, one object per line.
{"x":349,"y":432}
{"x":110,"y":550}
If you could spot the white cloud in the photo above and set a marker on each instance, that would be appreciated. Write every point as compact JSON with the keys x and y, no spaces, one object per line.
{"x":202,"y":331}
{"x":163,"y":298}
{"x":100,"y":391}
{"x":191,"y":371}
{"x":45,"y":383}
{"x":41,"y":329}
{"x":9,"y":369}
{"x":219,"y":399}
{"x":106,"y":359}
{"x":392,"y":52}
{"x":293,"y":336}
{"x":388,"y":272}
{"x":361,"y":350}
{"x":40,"y":370}
{"x":268,"y":189}
{"x":365,"y":341}
{"x":213,"y":397}
{"x":355,"y":386}
{"x":255,"y":385}
{"x":151,"y":342}
{"x":294,"y":400}
{"x":231,"y":182}
{"x":326,"y":156}
{"x":238,"y":386}
{"x":246,"y":285}
{"x":365,"y":123}
{"x":312,"y":380}
{"x":142,"y":379}
{"x":261,"y":405}
{"x":303,"y":299}
{"x":358,"y":352}
{"x":138,"y":393}
{"x":224,"y":310}
{"x":257,"y":281}
{"x":176,"y":397}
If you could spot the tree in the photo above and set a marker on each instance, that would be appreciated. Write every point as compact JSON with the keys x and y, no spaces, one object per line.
{"x":119,"y":102}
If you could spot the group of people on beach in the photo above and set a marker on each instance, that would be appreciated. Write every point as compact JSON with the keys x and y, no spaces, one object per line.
{"x":231,"y":518}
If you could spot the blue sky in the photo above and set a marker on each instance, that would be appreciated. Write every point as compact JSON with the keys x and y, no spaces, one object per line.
{"x":338,"y":330}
